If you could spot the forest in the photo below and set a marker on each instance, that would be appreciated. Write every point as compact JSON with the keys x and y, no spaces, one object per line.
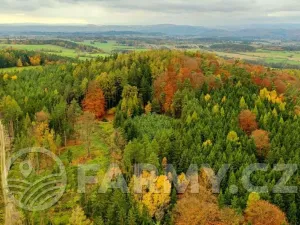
{"x":233,"y":47}
{"x":21,"y":58}
{"x":158,"y":107}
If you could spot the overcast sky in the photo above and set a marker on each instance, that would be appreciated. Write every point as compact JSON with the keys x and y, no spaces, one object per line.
{"x":142,"y":12}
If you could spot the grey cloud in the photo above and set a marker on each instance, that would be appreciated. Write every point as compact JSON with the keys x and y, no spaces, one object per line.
{"x":174,"y":6}
{"x":164,"y":6}
{"x":197,"y":5}
{"x":24,"y":5}
{"x":156,"y":11}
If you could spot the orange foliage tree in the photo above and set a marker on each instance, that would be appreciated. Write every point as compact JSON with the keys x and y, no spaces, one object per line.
{"x":202,"y":209}
{"x":94,"y":101}
{"x":247,"y":121}
{"x":170,"y":88}
{"x":263,"y":213}
{"x":262,"y":142}
{"x":165,"y":87}
{"x":35,"y":60}
{"x":181,"y":68}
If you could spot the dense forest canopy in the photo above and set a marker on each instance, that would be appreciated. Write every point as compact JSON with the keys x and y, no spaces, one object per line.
{"x":169,"y":107}
{"x":233,"y":47}
{"x":20,"y":58}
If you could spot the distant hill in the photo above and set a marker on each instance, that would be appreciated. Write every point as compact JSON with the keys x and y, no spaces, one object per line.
{"x":288,"y":31}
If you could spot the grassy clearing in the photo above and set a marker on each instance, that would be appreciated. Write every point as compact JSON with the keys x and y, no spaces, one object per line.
{"x":99,"y":149}
{"x":100,"y":155}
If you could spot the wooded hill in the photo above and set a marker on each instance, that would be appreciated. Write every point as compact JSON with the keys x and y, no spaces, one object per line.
{"x":171,"y":107}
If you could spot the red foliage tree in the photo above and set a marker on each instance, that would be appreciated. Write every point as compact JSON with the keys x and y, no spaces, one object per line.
{"x":165,"y":86}
{"x":263,"y":82}
{"x":94,"y":101}
{"x":280,"y":86}
{"x":263,"y":213}
{"x":262,"y":142}
{"x":170,"y":90}
{"x":247,"y":121}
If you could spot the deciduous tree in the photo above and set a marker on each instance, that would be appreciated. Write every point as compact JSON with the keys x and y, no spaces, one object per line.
{"x":262,"y":142}
{"x":94,"y":101}
{"x":263,"y":213}
{"x":247,"y":120}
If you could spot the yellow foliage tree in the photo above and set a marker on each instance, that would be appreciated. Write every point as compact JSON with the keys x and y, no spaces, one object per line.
{"x":19,"y":63}
{"x":148,"y":108}
{"x":14,"y":77}
{"x":207,"y":143}
{"x":252,"y":198}
{"x":5,"y":76}
{"x":153,"y":192}
{"x":35,"y":60}
{"x":271,"y":96}
{"x":78,"y":217}
{"x":40,"y":129}
{"x":232,"y":136}
{"x":207,"y":97}
{"x":224,"y":99}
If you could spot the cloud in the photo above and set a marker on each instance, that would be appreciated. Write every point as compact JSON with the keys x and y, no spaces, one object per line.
{"x":173,"y":6}
{"x":21,"y":5}
{"x":194,"y":12}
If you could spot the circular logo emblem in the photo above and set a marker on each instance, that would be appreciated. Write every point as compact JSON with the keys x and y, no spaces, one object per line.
{"x":36,"y":179}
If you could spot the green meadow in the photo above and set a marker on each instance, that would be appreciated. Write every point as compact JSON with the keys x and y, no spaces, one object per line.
{"x":53,"y":49}
{"x":111,"y":46}
{"x":268,"y":56}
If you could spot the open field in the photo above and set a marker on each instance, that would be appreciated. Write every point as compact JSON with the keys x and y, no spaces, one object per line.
{"x":108,"y":48}
{"x":284,"y":57}
{"x":262,"y":55}
{"x":111,"y":46}
{"x":53,"y":49}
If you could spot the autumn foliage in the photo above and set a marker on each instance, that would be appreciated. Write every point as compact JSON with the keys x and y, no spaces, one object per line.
{"x":263,"y":213}
{"x":35,"y":60}
{"x":94,"y":101}
{"x":153,"y":192}
{"x":247,"y":120}
{"x":203,"y":209}
{"x":262,"y":142}
{"x":181,"y":69}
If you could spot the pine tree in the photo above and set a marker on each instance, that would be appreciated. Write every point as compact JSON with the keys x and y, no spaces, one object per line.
{"x":243,"y":104}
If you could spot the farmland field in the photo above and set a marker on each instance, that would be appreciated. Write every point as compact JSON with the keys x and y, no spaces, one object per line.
{"x":285,"y":57}
{"x":111,"y":46}
{"x":52,"y":49}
